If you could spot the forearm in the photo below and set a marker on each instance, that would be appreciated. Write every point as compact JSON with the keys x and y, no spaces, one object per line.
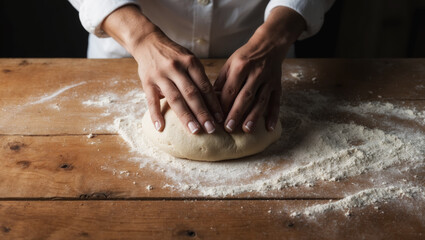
{"x":281,"y":29}
{"x":128,"y":26}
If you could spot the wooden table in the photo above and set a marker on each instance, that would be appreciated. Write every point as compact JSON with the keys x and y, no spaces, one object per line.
{"x":52,"y":184}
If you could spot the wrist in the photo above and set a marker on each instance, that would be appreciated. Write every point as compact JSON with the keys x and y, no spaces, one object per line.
{"x":128,"y":26}
{"x":148,"y":41}
{"x":281,"y":29}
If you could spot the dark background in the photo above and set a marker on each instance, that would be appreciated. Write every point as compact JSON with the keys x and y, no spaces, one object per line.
{"x":353,"y":28}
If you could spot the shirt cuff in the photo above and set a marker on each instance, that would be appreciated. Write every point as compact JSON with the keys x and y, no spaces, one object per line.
{"x":313,"y":11}
{"x":93,"y":12}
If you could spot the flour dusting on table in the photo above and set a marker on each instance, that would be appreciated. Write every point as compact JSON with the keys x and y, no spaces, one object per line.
{"x":316,"y":146}
{"x":57,"y":93}
{"x":363,"y":198}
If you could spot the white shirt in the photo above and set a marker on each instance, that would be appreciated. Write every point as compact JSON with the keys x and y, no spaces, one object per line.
{"x":208,"y":28}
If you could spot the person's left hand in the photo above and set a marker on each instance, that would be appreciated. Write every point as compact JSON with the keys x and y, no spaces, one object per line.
{"x":250,"y":80}
{"x":250,"y":86}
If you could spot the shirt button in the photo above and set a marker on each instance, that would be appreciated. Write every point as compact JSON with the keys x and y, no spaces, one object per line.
{"x":200,"y":41}
{"x":204,"y":2}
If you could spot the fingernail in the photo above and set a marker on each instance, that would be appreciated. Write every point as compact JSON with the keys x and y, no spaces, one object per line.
{"x":249,"y":125}
{"x":209,"y":127}
{"x":218,"y":117}
{"x":157,"y":125}
{"x":230,"y":124}
{"x":193,"y":127}
{"x":272,"y":126}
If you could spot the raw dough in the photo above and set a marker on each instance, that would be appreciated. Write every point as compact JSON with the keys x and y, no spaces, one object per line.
{"x":178,"y":142}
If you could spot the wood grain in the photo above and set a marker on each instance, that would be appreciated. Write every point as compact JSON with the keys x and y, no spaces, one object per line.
{"x":76,"y":167}
{"x":23,"y":82}
{"x":55,"y":183}
{"x":200,"y":220}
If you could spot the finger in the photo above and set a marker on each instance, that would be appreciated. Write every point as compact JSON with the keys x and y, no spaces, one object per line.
{"x":272,"y":115}
{"x":233,"y":84}
{"x":194,"y":100}
{"x":257,"y":110}
{"x":178,"y":105}
{"x":197,"y":73}
{"x":221,"y":79}
{"x":154,"y":107}
{"x":243,"y":101}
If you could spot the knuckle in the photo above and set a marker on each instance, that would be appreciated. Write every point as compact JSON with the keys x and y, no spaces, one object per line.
{"x":171,"y":63}
{"x":231,"y":91}
{"x":174,"y":97}
{"x":202,"y":114}
{"x":149,"y":77}
{"x":155,"y":75}
{"x":241,"y":61}
{"x":189,"y":60}
{"x":151,"y":101}
{"x":191,"y":92}
{"x":185,"y":115}
{"x":205,"y":87}
{"x":247,"y":95}
{"x":239,"y":64}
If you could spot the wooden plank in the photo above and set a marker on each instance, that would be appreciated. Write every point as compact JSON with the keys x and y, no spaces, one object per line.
{"x":21,"y":78}
{"x":355,"y":79}
{"x":75,"y":167}
{"x":44,"y":96}
{"x":201,"y":220}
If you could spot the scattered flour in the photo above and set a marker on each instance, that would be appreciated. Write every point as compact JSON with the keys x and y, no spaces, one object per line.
{"x":387,"y":109}
{"x":55,"y":106}
{"x":419,"y":87}
{"x":364,"y":198}
{"x":90,"y":135}
{"x":315,"y":147}
{"x":297,"y":75}
{"x":102,"y":100}
{"x":58,"y":92}
{"x":132,"y":103}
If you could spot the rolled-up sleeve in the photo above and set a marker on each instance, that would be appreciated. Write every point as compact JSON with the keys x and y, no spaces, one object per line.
{"x":313,"y":11}
{"x":93,"y":12}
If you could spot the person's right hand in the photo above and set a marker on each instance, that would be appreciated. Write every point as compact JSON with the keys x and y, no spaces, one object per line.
{"x":171,"y":71}
{"x":166,"y":70}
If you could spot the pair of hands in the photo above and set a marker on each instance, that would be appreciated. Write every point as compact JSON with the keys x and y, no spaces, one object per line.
{"x":249,"y":81}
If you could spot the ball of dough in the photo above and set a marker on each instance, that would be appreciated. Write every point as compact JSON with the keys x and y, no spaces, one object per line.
{"x":221,"y":145}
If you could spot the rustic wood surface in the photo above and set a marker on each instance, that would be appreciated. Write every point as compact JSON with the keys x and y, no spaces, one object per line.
{"x":236,"y":219}
{"x":57,"y":183}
